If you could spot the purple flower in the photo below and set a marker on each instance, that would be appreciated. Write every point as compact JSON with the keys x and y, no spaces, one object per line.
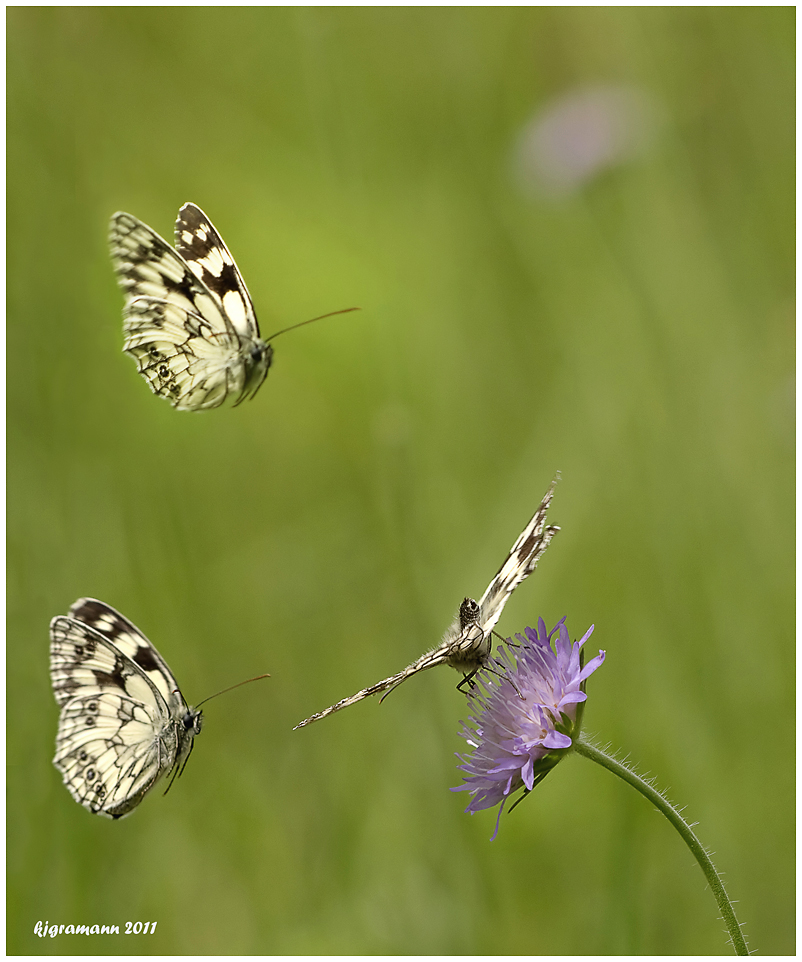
{"x":526,"y":710}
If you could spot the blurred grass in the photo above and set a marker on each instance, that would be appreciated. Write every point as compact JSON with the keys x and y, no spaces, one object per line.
{"x":638,"y":335}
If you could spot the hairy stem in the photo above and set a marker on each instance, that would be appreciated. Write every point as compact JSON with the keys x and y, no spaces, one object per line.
{"x":582,"y":747}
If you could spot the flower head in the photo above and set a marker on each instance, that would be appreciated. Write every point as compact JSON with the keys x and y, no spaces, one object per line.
{"x":526,"y":711}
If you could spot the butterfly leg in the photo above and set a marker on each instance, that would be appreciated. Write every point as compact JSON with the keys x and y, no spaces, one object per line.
{"x":388,"y":692}
{"x":174,"y":769}
{"x":170,"y":785}
{"x":506,"y":678}
{"x":467,"y":680}
{"x":191,"y":746}
{"x":178,"y":769}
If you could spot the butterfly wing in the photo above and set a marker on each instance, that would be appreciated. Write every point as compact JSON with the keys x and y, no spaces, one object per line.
{"x":439,"y":656}
{"x":186,"y":346}
{"x":132,"y":644}
{"x":118,"y":733}
{"x":109,"y":752}
{"x":181,"y":356}
{"x":520,"y":563}
{"x":209,"y":259}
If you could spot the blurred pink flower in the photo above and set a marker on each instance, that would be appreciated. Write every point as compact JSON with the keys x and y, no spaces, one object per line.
{"x":575,"y":136}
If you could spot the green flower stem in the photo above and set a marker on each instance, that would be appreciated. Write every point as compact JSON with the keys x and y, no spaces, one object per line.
{"x":582,"y":747}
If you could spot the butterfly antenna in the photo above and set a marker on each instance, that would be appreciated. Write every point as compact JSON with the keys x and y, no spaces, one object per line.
{"x":346,"y":310}
{"x":231,"y":688}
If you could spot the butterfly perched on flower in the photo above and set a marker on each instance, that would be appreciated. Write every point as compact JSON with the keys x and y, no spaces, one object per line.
{"x":124,"y":722}
{"x":188,"y":319}
{"x":466,"y":644}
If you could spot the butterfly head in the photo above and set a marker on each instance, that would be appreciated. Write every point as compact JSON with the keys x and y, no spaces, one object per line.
{"x":261,"y":354}
{"x":258,"y":358}
{"x":192,"y":722}
{"x":468,"y":613}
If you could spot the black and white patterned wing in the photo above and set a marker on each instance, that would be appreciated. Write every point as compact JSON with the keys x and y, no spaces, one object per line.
{"x":440,"y":656}
{"x":109,"y":767}
{"x":131,"y":645}
{"x":210,"y":261}
{"x":118,"y":732}
{"x":177,"y":329}
{"x":521,"y":562}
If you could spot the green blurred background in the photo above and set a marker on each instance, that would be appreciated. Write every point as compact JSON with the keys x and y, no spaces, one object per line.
{"x":633,"y":329}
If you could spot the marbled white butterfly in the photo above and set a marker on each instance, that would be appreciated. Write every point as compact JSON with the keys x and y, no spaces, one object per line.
{"x":466,"y":645}
{"x":124,"y":722}
{"x":188,"y":319}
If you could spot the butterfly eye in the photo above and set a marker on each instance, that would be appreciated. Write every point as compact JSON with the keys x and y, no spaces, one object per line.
{"x":192,"y":722}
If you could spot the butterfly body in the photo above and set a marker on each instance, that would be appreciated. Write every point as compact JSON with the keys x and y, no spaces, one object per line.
{"x":124,"y":723}
{"x":188,"y":319}
{"x":467,"y":643}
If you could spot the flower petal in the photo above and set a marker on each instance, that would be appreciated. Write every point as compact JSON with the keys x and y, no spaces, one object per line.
{"x":526,"y":691}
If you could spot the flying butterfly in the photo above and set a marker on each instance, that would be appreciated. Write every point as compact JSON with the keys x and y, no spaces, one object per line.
{"x":188,"y":319}
{"x":466,"y":645}
{"x":124,"y":722}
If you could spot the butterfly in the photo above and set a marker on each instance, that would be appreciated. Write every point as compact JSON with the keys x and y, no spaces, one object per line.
{"x":124,"y":723}
{"x":188,"y":319}
{"x":466,"y":644}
